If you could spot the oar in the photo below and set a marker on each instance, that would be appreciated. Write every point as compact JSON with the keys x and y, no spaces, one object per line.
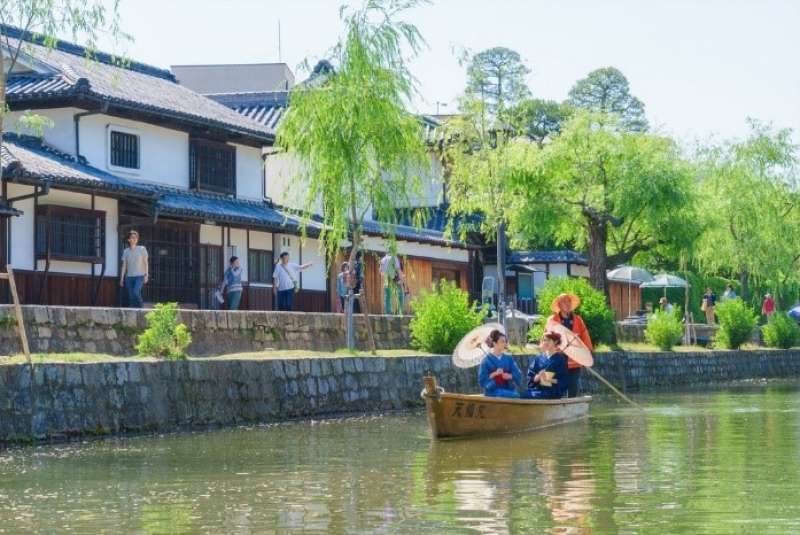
{"x":612,"y":387}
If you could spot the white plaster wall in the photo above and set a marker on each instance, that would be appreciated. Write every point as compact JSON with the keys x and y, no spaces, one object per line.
{"x":579,"y":271}
{"x":539,"y":280}
{"x":210,"y":235}
{"x":248,"y":173}
{"x":61,"y":135}
{"x":239,"y":240}
{"x":260,"y":240}
{"x":163,"y":153}
{"x":315,"y":277}
{"x":558,"y":270}
{"x":293,"y":247}
{"x":284,"y":181}
{"x":423,"y":250}
{"x":22,"y":230}
{"x":432,"y":179}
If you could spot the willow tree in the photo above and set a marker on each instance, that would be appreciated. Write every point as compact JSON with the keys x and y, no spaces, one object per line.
{"x":603,"y":188}
{"x":360,"y":152}
{"x":751,"y":209}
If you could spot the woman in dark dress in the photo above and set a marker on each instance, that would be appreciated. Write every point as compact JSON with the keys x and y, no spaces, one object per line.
{"x":541,"y":384}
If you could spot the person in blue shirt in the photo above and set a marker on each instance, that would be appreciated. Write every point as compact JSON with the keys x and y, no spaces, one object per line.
{"x":498,"y":374}
{"x":551,"y":360}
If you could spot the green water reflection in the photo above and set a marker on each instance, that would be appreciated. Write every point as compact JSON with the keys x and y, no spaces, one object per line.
{"x":721,"y":462}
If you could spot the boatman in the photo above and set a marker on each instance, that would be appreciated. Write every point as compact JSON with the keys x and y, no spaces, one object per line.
{"x":563,"y":308}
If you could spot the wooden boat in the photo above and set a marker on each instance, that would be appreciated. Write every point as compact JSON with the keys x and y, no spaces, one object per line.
{"x":461,"y":415}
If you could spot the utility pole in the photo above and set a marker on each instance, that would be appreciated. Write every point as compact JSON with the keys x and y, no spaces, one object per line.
{"x":280,"y":57}
{"x":442,"y":104}
{"x":501,"y":273}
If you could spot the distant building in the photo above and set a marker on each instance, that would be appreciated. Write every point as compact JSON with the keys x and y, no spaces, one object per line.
{"x":236,"y":78}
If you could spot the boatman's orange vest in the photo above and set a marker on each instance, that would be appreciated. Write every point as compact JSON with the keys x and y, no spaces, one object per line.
{"x":579,"y":328}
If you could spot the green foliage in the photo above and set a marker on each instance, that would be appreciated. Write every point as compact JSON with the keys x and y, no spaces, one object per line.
{"x":736,"y":323}
{"x":607,"y":91}
{"x":538,"y":119}
{"x":442,"y":317}
{"x":781,"y":331}
{"x":164,"y":336}
{"x":598,"y":317}
{"x":597,"y":187}
{"x":357,"y":145}
{"x":497,"y":77}
{"x":749,"y":191}
{"x":663,"y":330}
{"x":7,"y":321}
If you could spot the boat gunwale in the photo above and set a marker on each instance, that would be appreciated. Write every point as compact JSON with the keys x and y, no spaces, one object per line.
{"x":512,"y":401}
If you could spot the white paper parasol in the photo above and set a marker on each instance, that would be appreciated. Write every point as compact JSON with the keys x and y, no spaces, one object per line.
{"x":471,"y":349}
{"x":571,"y":344}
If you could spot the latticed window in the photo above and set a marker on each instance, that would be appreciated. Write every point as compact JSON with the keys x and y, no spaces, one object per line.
{"x":212,"y":166}
{"x":70,"y":233}
{"x":259,"y":266}
{"x":124,"y":149}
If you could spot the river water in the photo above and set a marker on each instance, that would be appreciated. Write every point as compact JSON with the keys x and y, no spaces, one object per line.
{"x":721,"y":462}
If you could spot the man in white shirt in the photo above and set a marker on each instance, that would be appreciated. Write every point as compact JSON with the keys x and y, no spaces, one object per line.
{"x":284,"y":281}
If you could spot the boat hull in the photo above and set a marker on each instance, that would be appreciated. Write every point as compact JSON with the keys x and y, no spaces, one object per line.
{"x":462,"y":415}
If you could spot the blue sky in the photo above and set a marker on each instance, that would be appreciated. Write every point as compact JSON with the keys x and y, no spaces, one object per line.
{"x":701,"y":67}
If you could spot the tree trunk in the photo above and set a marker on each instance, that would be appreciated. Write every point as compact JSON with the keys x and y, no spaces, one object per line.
{"x":349,"y":323}
{"x":744,"y":279}
{"x":501,"y":273}
{"x":598,"y":234}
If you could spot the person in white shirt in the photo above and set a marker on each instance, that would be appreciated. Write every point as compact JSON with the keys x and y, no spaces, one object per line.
{"x":135,"y":271}
{"x":284,"y":281}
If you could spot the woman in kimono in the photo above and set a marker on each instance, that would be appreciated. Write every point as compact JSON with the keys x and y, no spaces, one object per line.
{"x":498,"y":374}
{"x":540,"y":384}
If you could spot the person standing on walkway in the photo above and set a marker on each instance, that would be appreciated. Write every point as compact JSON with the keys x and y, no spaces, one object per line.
{"x":729,"y":293}
{"x":284,"y":281}
{"x":768,"y":306}
{"x":563,"y":308}
{"x":232,"y":281}
{"x":134,"y":273}
{"x":341,"y":285}
{"x":709,"y":302}
{"x":392,"y":275}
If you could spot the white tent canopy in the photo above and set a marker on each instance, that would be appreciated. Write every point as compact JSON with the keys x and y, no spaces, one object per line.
{"x":664,"y":280}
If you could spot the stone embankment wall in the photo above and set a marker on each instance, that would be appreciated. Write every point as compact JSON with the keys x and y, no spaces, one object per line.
{"x":58,"y":400}
{"x":114,"y":330}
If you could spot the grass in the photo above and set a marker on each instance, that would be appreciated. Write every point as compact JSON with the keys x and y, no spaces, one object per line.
{"x":259,"y":355}
{"x":339,"y":353}
{"x":39,"y":358}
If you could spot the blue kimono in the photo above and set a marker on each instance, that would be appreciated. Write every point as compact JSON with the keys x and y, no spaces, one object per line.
{"x":499,"y":388}
{"x":557,"y":364}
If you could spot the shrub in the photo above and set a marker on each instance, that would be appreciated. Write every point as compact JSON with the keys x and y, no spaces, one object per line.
{"x":736,"y":323}
{"x":594,"y":310}
{"x":164,"y":336}
{"x":663,"y":330}
{"x":442,"y":318}
{"x":781,"y":331}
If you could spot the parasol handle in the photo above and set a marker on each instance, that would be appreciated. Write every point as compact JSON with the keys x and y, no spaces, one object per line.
{"x":614,"y":389}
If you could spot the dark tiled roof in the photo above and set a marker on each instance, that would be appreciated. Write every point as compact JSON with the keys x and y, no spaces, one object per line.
{"x":543,"y":257}
{"x":266,"y":108}
{"x":410,"y":233}
{"x":221,"y":209}
{"x":130,"y":85}
{"x":26,"y":159}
